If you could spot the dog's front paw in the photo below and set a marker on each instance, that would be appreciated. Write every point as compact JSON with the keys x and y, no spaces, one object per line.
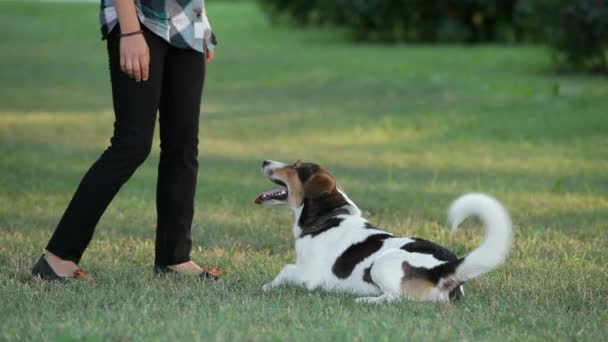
{"x":268,"y":287}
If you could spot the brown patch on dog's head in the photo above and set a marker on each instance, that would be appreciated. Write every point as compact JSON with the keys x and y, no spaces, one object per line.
{"x":319,"y":184}
{"x":303,"y":180}
{"x":311,"y":181}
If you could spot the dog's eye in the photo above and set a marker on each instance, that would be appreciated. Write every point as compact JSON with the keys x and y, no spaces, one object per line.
{"x":293,"y":166}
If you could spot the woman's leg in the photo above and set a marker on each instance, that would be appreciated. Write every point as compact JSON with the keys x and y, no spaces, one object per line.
{"x":179,"y":118}
{"x":135,"y":107}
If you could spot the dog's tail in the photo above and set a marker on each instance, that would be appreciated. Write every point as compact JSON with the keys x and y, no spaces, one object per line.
{"x":494,"y":248}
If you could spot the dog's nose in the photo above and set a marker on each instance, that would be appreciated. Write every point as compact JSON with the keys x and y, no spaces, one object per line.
{"x":265,"y":163}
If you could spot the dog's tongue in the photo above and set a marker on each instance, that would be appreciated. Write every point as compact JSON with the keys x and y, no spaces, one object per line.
{"x":277,"y":194}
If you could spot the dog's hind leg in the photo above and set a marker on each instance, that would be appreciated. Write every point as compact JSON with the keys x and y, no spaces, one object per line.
{"x":386,"y":274}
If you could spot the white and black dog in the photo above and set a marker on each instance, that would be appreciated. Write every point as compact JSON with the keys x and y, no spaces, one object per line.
{"x":338,"y":249}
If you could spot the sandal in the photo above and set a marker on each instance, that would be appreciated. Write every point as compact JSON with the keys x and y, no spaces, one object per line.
{"x":43,"y":270}
{"x":213,"y":273}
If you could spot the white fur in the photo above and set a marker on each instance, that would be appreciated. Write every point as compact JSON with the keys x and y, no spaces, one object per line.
{"x":498,"y":234}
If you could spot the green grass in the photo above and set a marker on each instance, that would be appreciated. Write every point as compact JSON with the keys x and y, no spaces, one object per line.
{"x":405,"y":129}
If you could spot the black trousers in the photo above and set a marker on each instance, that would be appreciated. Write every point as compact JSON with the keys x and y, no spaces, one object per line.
{"x":174,"y":89}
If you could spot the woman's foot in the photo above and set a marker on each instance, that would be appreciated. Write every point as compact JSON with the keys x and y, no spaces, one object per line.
{"x":188,"y":267}
{"x":191,"y":268}
{"x":51,"y":267}
{"x":63,"y":268}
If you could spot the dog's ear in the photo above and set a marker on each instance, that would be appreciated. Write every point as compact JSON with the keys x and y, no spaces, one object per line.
{"x":319,"y":185}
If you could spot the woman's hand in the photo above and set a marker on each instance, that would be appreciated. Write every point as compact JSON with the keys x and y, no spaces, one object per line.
{"x":209,"y":56}
{"x":135,"y":57}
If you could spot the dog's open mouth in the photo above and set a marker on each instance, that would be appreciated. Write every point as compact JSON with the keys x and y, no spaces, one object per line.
{"x":279,"y":194}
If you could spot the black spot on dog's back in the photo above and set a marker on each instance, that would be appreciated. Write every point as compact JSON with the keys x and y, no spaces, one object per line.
{"x":353,"y":255}
{"x":427,"y":247}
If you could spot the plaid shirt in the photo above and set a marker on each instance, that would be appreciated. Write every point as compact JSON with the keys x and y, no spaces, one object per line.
{"x":173,"y":20}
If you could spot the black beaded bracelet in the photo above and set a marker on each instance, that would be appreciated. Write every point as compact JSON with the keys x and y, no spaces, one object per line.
{"x":131,"y":33}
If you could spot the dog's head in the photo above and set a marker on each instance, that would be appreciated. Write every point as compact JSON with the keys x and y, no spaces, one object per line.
{"x":299,"y":182}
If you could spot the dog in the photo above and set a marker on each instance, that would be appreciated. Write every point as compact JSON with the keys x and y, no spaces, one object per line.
{"x":338,"y":249}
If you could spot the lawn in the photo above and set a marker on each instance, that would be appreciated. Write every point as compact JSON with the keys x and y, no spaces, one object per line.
{"x":405,"y":129}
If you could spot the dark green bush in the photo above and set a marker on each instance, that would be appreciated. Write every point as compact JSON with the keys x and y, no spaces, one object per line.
{"x":399,"y":20}
{"x":581,"y":35}
{"x":576,"y":29}
{"x":449,"y":20}
{"x":302,"y":12}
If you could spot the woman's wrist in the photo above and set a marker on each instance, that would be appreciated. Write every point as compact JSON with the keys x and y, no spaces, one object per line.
{"x":131,"y":33}
{"x":127,"y":16}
